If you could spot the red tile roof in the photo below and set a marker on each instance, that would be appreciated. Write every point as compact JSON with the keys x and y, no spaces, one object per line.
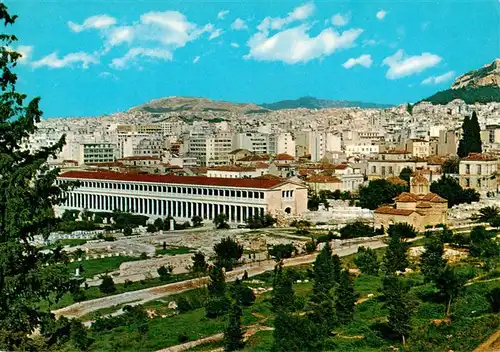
{"x":232,"y":168}
{"x":284,"y":157}
{"x":393,"y":211}
{"x":141,"y":157}
{"x":479,"y":157}
{"x":187,"y":180}
{"x":323,"y":179}
{"x":261,"y":157}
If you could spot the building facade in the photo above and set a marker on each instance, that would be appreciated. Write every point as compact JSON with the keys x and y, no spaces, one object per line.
{"x":183,"y":197}
{"x":478,"y":171}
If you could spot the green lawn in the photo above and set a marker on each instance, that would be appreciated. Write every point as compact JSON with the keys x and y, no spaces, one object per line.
{"x":94,"y":267}
{"x":174,"y":251}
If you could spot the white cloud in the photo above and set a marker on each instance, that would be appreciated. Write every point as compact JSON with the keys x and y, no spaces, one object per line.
{"x":215,"y":34}
{"x":222,"y":14}
{"x":370,"y":42}
{"x":340,"y":20}
{"x":94,"y":22}
{"x":401,"y":65}
{"x":296,"y":45}
{"x":78,"y":59}
{"x":196,"y":59}
{"x":25,"y":51}
{"x":119,"y":35}
{"x":235,"y":45}
{"x":363,"y":60}
{"x":439,"y":79}
{"x":133,"y":54}
{"x":300,"y":13}
{"x":239,"y":25}
{"x":381,"y":14}
{"x":108,"y":75}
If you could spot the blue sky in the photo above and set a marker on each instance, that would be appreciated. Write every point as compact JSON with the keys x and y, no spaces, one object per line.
{"x":96,"y":57}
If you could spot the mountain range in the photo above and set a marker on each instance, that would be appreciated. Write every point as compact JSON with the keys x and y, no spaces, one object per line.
{"x":477,"y":86}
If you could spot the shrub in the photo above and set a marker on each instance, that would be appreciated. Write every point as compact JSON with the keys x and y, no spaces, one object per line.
{"x":107,"y":285}
{"x":217,"y":306}
{"x":183,"y":305}
{"x":357,"y":229}
{"x":366,"y":261}
{"x":183,"y":337}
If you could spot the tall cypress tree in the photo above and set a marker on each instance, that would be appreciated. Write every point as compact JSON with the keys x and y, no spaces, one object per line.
{"x":233,"y":335}
{"x":471,"y":137}
{"x":27,"y":196}
{"x":346,"y":298}
{"x":324,"y":276}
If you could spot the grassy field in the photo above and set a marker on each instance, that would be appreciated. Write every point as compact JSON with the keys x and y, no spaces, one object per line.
{"x":94,"y":267}
{"x":173,"y":251}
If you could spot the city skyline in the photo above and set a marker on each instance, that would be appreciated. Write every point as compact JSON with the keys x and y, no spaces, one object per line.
{"x":108,"y":58}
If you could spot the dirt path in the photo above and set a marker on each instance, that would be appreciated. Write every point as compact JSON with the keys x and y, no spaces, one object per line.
{"x":490,"y":345}
{"x":150,"y":294}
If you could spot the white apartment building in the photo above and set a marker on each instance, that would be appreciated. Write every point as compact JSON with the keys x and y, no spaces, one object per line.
{"x":97,"y":153}
{"x":210,"y":149}
{"x":478,"y":171}
{"x":317,"y":143}
{"x":282,"y":143}
{"x":358,"y":149}
{"x":182,"y":196}
{"x":253,"y":141}
{"x":234,"y":171}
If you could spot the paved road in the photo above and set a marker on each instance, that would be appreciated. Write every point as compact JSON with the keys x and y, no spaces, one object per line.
{"x":149,"y":294}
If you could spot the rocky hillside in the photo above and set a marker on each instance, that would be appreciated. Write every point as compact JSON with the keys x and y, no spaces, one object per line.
{"x":172,"y":104}
{"x":315,"y":103}
{"x":488,"y":75}
{"x":477,"y":86}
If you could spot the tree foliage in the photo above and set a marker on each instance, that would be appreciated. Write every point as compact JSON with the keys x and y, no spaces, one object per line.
{"x":358,"y":229}
{"x":405,"y":174}
{"x":450,"y":283}
{"x":471,"y":137}
{"x":432,"y":262}
{"x":107,"y":285}
{"x":228,"y":252}
{"x":366,"y":260}
{"x":345,"y":298}
{"x":402,"y":230}
{"x":260,"y":221}
{"x":379,"y":192}
{"x":28,"y":195}
{"x":323,"y":271}
{"x":199,"y":263}
{"x":448,"y":188}
{"x":233,"y":334}
{"x":395,"y":257}
{"x":451,"y":165}
{"x":242,"y":294}
{"x":217,"y":304}
{"x":220,"y":221}
{"x":281,"y":251}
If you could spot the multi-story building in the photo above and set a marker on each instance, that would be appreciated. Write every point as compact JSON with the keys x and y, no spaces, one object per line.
{"x":183,"y":196}
{"x":282,"y":143}
{"x":316,"y":144}
{"x":210,"y":149}
{"x":97,"y":153}
{"x":391,"y":163}
{"x":361,"y":148}
{"x":419,"y":148}
{"x":479,"y":171}
{"x":253,"y":141}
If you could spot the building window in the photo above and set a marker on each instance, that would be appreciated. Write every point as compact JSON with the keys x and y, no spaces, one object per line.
{"x":467,"y":182}
{"x":479,"y":182}
{"x":226,"y":193}
{"x":238,"y":194}
{"x":261,"y":195}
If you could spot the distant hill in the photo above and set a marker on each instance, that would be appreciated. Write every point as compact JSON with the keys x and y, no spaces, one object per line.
{"x":477,"y":86}
{"x":315,"y":103}
{"x":172,"y":104}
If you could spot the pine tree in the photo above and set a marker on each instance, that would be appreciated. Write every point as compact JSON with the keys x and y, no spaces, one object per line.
{"x":399,"y":305}
{"x":337,"y":268}
{"x":471,"y":137}
{"x":323,"y":269}
{"x":233,"y":335}
{"x":283,"y":295}
{"x":366,"y":260}
{"x":450,"y":283}
{"x":432,"y":262}
{"x":395,"y":257}
{"x":345,"y":298}
{"x":217,"y":303}
{"x":28,"y":194}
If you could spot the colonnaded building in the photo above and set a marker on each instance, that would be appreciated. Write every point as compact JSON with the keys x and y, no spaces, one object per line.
{"x":183,"y":197}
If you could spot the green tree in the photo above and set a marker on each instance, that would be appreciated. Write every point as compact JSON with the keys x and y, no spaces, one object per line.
{"x":158,"y":223}
{"x":471,"y":137}
{"x":487,"y":214}
{"x":220,"y":221}
{"x":448,"y":188}
{"x":217,"y":304}
{"x":432,"y":262}
{"x":379,"y":192}
{"x":79,"y":336}
{"x":283,"y":295}
{"x":323,"y":271}
{"x":395,"y":257}
{"x":281,"y":251}
{"x":107,"y":285}
{"x":337,"y":268}
{"x":197,"y":221}
{"x":345,"y":298}
{"x":400,"y":306}
{"x":164,"y":272}
{"x":28,"y":196}
{"x":242,"y":294}
{"x":450,"y":166}
{"x":199,"y":263}
{"x":450,"y":283}
{"x":402,"y":230}
{"x":356,"y":229}
{"x":366,"y":261}
{"x":233,"y":334}
{"x":127,"y":231}
{"x":405,"y":174}
{"x":228,"y":252}
{"x":151,"y":228}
